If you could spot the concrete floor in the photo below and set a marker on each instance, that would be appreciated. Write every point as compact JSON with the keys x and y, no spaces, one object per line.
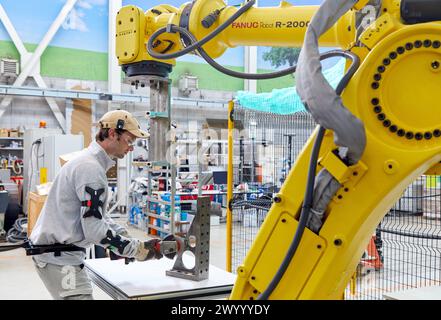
{"x":19,"y":280}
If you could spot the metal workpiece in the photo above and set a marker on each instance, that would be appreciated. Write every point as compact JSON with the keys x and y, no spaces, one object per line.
{"x":196,"y":241}
{"x":171,"y":246}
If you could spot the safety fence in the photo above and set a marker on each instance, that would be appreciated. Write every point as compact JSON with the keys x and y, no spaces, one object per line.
{"x":404,"y":252}
{"x":265,"y":148}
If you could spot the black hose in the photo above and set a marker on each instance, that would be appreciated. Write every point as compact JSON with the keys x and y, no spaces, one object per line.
{"x":8,"y":247}
{"x":197,"y":44}
{"x":242,"y":75}
{"x":232,"y":73}
{"x":309,"y":193}
{"x":304,"y":215}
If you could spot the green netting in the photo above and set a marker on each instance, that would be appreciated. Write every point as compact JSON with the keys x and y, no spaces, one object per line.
{"x":285,"y":101}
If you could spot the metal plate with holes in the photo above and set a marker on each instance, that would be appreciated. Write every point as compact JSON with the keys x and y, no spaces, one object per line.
{"x":198,"y":242}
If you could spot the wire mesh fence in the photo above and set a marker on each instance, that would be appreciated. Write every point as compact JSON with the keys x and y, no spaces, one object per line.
{"x":265,"y":148}
{"x":403,"y":253}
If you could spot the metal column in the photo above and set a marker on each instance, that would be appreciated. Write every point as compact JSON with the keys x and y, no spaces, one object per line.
{"x":159,"y":122}
{"x":230,"y":185}
{"x":161,"y":155}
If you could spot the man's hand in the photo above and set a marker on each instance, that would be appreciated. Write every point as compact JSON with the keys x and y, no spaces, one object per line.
{"x":149,"y":250}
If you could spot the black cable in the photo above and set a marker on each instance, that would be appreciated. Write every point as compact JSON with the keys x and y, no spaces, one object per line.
{"x":242,"y":75}
{"x":31,"y":165}
{"x":9,"y":247}
{"x":232,"y":73}
{"x":304,"y":215}
{"x":309,"y":193}
{"x":197,"y":44}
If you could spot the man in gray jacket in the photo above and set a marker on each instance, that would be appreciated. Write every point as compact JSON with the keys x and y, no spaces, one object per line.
{"x":74,"y":215}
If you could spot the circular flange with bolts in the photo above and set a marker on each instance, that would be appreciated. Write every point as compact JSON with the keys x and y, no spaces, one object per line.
{"x":395,"y":75}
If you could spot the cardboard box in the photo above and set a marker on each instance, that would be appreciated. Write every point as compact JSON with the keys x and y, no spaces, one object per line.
{"x":4,"y":133}
{"x":35,"y":204}
{"x":13,"y":133}
{"x":81,"y":118}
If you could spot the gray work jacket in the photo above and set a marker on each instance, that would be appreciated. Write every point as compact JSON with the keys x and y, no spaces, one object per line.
{"x":62,"y":217}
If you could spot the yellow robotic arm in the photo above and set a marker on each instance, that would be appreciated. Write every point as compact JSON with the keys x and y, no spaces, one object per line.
{"x":395,"y":93}
{"x":271,"y":26}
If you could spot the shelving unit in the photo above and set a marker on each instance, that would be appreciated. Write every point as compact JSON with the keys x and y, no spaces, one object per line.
{"x":148,"y":207}
{"x":153,"y":222}
{"x":7,"y":152}
{"x":170,"y":172}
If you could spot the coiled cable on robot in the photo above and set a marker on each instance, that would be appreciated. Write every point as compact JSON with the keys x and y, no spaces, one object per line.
{"x":197,"y":45}
{"x":232,"y":73}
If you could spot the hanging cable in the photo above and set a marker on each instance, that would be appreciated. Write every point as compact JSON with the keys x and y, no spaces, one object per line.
{"x":309,"y":193}
{"x":197,"y":44}
{"x":31,"y":164}
{"x":8,"y":247}
{"x":232,"y":73}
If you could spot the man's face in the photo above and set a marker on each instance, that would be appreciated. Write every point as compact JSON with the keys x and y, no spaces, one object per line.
{"x":123,"y":144}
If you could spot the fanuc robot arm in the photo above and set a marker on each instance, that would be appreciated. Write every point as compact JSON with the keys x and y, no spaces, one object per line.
{"x":310,"y":244}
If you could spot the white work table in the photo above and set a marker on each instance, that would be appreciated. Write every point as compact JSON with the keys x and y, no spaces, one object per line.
{"x":147,"y":280}
{"x":424,"y":293}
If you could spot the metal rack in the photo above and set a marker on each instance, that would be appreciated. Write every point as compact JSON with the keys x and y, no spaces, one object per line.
{"x":170,"y":171}
{"x":8,"y":152}
{"x":152,"y":199}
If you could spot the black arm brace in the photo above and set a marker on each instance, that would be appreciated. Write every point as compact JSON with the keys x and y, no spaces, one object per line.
{"x":94,"y":203}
